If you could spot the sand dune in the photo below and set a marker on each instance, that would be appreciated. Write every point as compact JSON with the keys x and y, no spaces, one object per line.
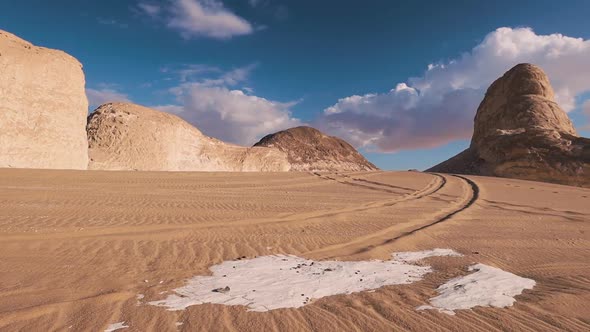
{"x":88,"y":251}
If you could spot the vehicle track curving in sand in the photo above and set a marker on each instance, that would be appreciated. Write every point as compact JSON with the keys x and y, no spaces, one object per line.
{"x":388,"y":235}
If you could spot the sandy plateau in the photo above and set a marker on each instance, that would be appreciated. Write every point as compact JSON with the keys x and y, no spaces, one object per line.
{"x":125,"y":251}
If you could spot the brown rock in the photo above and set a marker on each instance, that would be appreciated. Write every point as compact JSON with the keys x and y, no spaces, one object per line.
{"x":521,"y":132}
{"x":125,"y":136}
{"x":308,"y":149}
{"x":43,"y":107}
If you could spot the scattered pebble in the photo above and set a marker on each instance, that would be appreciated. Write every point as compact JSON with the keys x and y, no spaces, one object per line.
{"x":221,"y":290}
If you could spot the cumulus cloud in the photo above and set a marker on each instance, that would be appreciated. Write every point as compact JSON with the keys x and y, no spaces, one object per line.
{"x":218,"y":109}
{"x":104,"y":94}
{"x":439,"y":106}
{"x":231,"y":115}
{"x":198,"y":18}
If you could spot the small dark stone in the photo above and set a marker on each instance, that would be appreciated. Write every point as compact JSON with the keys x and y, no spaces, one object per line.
{"x":221,"y":290}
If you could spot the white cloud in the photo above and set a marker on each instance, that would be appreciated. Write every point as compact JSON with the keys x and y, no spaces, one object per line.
{"x":190,"y":72}
{"x":439,"y":106}
{"x":231,"y":115}
{"x":206,"y":18}
{"x":211,"y":75}
{"x":104,"y":94}
{"x":150,"y":9}
{"x":227,"y":113}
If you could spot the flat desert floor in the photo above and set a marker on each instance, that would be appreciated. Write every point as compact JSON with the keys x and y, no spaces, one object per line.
{"x":83,"y":250}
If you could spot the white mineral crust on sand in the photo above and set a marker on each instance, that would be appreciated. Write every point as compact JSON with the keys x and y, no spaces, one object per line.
{"x":282,"y":281}
{"x":487,"y":287}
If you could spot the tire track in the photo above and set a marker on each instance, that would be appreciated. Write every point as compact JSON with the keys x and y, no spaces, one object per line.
{"x":327,"y":177}
{"x":471,"y":195}
{"x":441,"y":182}
{"x":374,"y":182}
{"x":474,"y":196}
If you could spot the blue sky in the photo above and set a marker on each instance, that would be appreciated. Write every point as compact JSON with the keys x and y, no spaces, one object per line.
{"x":401,"y":80}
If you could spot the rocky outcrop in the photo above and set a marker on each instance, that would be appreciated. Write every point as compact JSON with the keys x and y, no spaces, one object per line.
{"x":43,"y":107}
{"x":308,"y":149}
{"x":125,"y":136}
{"x":521,"y":132}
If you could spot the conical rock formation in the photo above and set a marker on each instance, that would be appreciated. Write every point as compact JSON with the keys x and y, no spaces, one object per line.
{"x":521,"y":132}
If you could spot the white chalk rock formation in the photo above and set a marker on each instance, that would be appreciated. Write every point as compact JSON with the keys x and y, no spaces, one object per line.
{"x":125,"y":136}
{"x":43,"y":107}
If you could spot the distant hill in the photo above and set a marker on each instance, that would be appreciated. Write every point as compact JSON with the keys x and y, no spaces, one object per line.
{"x":308,"y":149}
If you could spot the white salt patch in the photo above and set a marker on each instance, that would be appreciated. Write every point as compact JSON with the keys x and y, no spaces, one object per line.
{"x":284,"y":281}
{"x":414,"y":256}
{"x":116,"y":326}
{"x":178,"y":323}
{"x":487,"y":287}
{"x":140,"y":296}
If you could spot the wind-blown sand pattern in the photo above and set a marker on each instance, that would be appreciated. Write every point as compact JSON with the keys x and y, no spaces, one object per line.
{"x":77,"y":247}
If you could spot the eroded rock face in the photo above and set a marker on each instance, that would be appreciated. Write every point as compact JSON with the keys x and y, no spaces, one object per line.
{"x":521,"y":132}
{"x":308,"y":149}
{"x":43,"y":107}
{"x":125,"y":136}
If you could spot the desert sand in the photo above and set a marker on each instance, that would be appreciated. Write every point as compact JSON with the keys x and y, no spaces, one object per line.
{"x":89,"y":250}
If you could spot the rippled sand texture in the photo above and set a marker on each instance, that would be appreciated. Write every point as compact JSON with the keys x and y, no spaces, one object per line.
{"x":85,"y":250}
